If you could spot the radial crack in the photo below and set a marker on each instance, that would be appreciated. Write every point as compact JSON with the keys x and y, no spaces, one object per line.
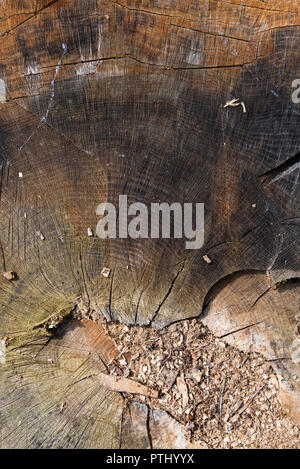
{"x":240,"y":329}
{"x":167,"y":294}
{"x":280,"y":171}
{"x":260,"y":297}
{"x":148,"y":426}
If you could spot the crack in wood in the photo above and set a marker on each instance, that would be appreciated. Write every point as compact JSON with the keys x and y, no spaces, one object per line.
{"x":240,"y":329}
{"x":33,"y":15}
{"x":137,"y":306}
{"x":167,"y":294}
{"x":280,"y":171}
{"x":148,"y":427}
{"x":211,"y":34}
{"x":249,"y":232}
{"x":260,"y":297}
{"x":110,"y":297}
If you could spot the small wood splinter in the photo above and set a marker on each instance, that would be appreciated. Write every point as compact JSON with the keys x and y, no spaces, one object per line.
{"x":207,"y":259}
{"x":105,"y":272}
{"x":40,"y":235}
{"x":62,"y":406}
{"x":234,"y":102}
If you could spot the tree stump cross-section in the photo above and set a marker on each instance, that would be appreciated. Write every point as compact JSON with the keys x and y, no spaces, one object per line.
{"x":102,"y":98}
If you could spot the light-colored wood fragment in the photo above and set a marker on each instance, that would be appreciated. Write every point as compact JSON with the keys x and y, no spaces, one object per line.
{"x":182,"y":388}
{"x":105,"y":272}
{"x":114,"y":383}
{"x":10,"y":275}
{"x":40,"y":235}
{"x":232,"y":103}
{"x":207,"y":259}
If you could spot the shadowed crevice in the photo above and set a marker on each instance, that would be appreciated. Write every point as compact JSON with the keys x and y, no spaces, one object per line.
{"x":282,"y":170}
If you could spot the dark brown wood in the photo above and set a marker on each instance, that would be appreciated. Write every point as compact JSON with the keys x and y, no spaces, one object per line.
{"x":102,"y":98}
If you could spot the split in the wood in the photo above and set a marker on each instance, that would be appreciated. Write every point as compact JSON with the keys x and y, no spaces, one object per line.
{"x":282,"y":170}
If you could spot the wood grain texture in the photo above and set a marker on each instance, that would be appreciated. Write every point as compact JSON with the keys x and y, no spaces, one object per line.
{"x":101,"y":98}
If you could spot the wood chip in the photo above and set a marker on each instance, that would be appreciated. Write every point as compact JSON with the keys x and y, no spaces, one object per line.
{"x":221,"y":398}
{"x":116,"y":384}
{"x":233,"y":102}
{"x":196,"y":375}
{"x":123,"y":361}
{"x":207,"y":259}
{"x":245,"y":407}
{"x":235,"y":408}
{"x":182,"y":388}
{"x":105,"y":272}
{"x":62,"y":406}
{"x":40,"y":235}
{"x":10,"y":275}
{"x":244,"y":107}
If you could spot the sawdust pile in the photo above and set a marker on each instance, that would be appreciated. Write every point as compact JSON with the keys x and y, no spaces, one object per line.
{"x":224,"y":397}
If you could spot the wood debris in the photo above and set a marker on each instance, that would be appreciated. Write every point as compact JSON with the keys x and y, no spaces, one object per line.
{"x":62,"y":406}
{"x":54,"y":322}
{"x":244,"y":107}
{"x":113,"y":383}
{"x":248,"y":402}
{"x":234,"y":102}
{"x":182,"y":388}
{"x":235,"y":408}
{"x":40,"y":235}
{"x":105,"y":272}
{"x":196,"y":375}
{"x":207,"y":259}
{"x":10,"y":275}
{"x":221,"y":398}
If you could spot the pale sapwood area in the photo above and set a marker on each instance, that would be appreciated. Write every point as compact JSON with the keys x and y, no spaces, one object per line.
{"x":102,"y":98}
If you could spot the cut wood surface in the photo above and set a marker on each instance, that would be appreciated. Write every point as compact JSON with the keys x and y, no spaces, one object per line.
{"x":102,"y":98}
